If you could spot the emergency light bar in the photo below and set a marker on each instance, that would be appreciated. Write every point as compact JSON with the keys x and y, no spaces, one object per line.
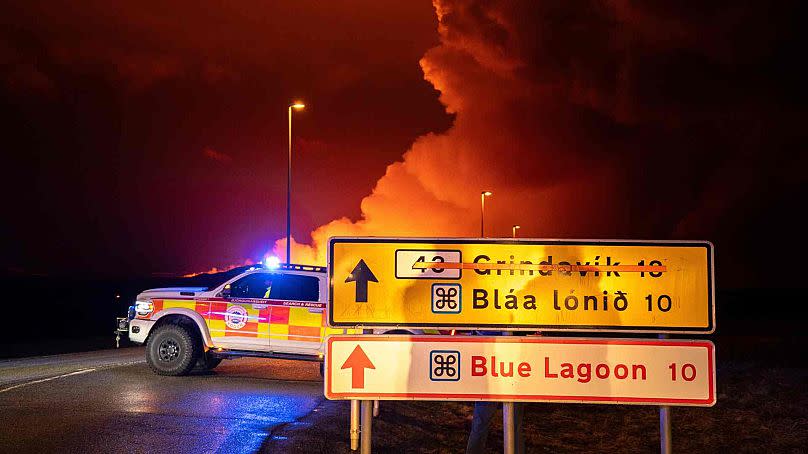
{"x":297,"y":267}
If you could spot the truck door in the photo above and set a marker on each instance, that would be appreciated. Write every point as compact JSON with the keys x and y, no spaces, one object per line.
{"x":296,"y":319}
{"x":241,"y":320}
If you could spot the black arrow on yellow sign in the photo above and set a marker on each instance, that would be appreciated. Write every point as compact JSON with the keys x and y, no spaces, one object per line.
{"x":361,"y":274}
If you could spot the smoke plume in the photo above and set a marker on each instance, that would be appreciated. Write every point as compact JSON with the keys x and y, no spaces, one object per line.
{"x":589,"y":119}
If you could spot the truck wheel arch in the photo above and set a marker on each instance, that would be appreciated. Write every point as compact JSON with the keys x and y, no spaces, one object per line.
{"x":182,"y":316}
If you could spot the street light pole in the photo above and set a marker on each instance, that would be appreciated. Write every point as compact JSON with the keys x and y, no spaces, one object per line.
{"x":483,"y":195}
{"x":515,"y":228}
{"x":296,"y":105}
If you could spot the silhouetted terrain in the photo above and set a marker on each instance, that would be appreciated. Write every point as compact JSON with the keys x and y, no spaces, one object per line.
{"x":48,"y":315}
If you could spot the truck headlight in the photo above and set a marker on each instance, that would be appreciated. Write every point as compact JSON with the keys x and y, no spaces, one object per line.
{"x":143,"y":308}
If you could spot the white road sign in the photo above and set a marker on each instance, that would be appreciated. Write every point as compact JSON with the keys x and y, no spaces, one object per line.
{"x":521,"y":368}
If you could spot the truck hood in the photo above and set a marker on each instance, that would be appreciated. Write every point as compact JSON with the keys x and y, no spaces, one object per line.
{"x":168,"y":292}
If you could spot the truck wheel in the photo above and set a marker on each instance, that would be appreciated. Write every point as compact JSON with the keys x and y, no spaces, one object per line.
{"x":172,"y":350}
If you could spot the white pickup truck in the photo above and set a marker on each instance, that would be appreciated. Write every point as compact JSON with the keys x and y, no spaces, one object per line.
{"x":275,"y":312}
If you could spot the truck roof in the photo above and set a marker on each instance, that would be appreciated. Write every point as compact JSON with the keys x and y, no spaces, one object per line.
{"x":211,"y":280}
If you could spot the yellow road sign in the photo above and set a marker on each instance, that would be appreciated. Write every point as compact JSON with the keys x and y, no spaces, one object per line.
{"x":522,"y":284}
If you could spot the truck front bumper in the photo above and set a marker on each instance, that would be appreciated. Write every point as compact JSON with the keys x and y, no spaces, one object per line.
{"x":139,"y":330}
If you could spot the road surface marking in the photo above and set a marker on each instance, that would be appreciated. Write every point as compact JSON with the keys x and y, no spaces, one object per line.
{"x":20,"y":385}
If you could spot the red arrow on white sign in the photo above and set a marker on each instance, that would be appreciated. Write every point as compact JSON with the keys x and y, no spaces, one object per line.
{"x":358,"y":361}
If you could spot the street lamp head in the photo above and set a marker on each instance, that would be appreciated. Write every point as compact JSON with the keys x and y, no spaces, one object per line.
{"x":517,"y":226}
{"x":487,"y":193}
{"x":297,"y":105}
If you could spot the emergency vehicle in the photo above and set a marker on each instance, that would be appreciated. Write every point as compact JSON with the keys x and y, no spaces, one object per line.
{"x":266,"y":311}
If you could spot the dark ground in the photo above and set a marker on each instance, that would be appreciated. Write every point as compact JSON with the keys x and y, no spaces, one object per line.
{"x":762,"y":407}
{"x":110,"y":402}
{"x":762,"y":346}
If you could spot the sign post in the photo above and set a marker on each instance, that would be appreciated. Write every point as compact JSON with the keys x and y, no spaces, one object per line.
{"x":664,"y":423}
{"x":354,"y":431}
{"x":508,"y":428}
{"x":665,"y":429}
{"x":509,"y":433}
{"x":367,"y":423}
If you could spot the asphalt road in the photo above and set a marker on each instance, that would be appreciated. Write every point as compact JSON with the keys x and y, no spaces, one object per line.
{"x":109,"y":401}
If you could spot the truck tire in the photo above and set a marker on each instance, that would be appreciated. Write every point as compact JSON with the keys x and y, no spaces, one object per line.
{"x":172,"y":350}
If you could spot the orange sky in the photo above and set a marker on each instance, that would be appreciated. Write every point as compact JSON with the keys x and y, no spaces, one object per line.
{"x":150,"y":138}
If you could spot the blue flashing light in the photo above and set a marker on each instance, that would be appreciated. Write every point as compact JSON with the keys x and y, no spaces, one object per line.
{"x":272,"y":262}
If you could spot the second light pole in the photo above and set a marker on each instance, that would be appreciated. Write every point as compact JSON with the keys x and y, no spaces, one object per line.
{"x":483,"y":195}
{"x":297,"y":106}
{"x":515,"y":228}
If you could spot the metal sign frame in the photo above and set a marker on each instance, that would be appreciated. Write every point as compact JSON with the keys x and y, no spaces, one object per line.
{"x":404,"y":241}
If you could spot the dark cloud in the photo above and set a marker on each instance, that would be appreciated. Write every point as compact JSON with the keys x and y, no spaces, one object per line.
{"x":602,"y":119}
{"x":107,"y":108}
{"x":26,"y":79}
{"x":217,"y":156}
{"x":585,"y":118}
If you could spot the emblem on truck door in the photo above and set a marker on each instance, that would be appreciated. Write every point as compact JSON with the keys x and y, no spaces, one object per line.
{"x":236,"y":317}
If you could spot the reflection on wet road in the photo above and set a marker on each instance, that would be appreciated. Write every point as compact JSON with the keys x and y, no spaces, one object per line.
{"x":90,"y":404}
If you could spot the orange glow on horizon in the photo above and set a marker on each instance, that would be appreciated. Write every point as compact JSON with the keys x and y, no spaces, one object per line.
{"x":222,"y":269}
